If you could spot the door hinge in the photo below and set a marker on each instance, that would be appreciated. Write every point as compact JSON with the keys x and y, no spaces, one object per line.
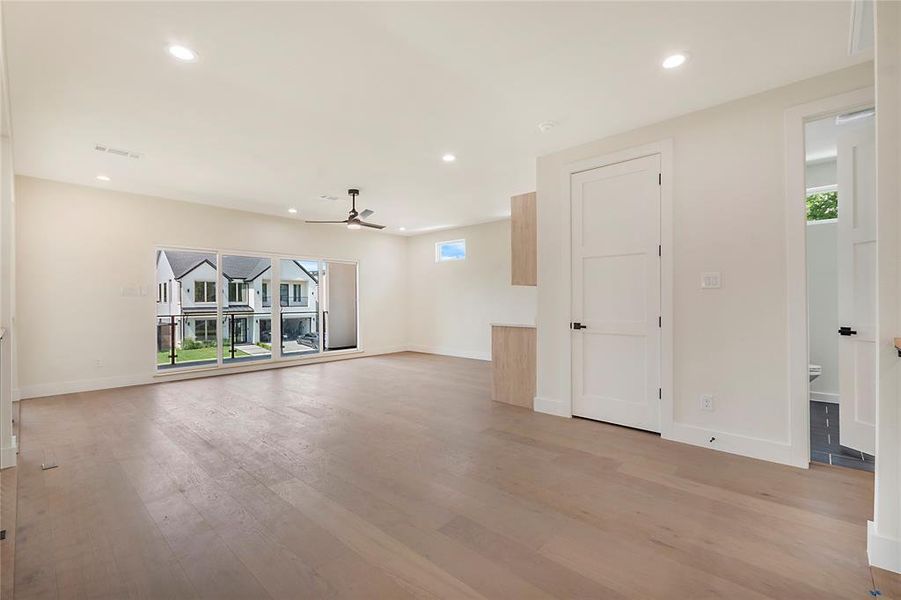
{"x":660,"y":393}
{"x":659,"y":250}
{"x":659,"y":321}
{"x":659,"y":178}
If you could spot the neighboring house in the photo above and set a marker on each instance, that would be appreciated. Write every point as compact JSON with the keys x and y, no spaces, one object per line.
{"x":187,"y":292}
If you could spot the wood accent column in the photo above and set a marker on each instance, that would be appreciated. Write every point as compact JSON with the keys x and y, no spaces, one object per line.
{"x":513,"y":356}
{"x":524,"y":238}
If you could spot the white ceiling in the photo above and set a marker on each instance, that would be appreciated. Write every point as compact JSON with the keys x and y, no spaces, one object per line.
{"x":290,"y":101}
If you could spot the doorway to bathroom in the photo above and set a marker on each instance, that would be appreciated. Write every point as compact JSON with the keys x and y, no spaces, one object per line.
{"x":840,"y":180}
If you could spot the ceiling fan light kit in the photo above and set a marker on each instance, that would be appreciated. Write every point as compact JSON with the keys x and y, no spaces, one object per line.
{"x":354,"y":219}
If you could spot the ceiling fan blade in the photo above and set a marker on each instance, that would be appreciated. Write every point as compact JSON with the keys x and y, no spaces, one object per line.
{"x":335,"y":222}
{"x":371,"y":225}
{"x":365,"y":213}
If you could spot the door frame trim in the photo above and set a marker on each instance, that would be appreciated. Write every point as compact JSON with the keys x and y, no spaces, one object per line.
{"x":665,"y":149}
{"x":796,"y":260}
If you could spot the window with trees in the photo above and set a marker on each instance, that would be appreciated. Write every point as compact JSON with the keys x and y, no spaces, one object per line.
{"x":822,"y":206}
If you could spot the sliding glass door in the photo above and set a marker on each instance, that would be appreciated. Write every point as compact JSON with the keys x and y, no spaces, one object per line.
{"x":186,"y":309}
{"x":244,"y":309}
{"x":299,"y":306}
{"x":218,"y":309}
{"x":340,"y":306}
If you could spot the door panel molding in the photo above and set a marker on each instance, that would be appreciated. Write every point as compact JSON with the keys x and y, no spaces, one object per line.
{"x":857,"y":280}
{"x":615,"y":213}
{"x":563,"y":406}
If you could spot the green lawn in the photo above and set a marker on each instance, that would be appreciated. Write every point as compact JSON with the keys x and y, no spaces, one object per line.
{"x":183,"y":356}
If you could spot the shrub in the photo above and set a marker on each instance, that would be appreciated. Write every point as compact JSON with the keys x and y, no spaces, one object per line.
{"x":192,"y":344}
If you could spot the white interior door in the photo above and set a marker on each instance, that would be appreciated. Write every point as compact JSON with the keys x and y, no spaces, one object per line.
{"x":857,"y":285}
{"x":616,"y":293}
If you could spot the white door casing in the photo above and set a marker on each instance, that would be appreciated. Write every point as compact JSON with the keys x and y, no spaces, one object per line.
{"x":616,"y":291}
{"x":857,"y":284}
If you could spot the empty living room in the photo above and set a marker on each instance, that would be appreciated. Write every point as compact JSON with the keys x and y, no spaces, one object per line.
{"x":502,"y":300}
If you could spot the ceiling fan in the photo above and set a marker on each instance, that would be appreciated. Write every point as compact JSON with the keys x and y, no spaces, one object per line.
{"x":354,"y":219}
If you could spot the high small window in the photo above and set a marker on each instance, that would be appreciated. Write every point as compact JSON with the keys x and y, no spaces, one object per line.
{"x":450,"y":250}
{"x":165,"y":292}
{"x":297,"y":292}
{"x":266,"y":298}
{"x":204,"y":291}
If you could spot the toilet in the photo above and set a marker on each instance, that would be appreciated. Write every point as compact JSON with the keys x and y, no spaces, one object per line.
{"x":814,"y":371}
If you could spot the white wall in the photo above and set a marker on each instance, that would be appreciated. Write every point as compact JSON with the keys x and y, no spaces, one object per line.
{"x":822,"y":173}
{"x":452,"y":304}
{"x":80,"y":246}
{"x":822,"y":307}
{"x":884,"y":535}
{"x":729,"y":216}
{"x":7,"y":270}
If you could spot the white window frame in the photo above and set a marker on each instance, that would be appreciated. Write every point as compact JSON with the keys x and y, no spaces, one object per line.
{"x":277,"y":360}
{"x":438,"y":245}
{"x":242,"y":288}
{"x":204,"y":282}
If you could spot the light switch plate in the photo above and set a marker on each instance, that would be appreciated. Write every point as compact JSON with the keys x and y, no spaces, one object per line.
{"x":711,"y":281}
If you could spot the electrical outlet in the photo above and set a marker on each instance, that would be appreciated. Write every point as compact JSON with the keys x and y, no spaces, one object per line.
{"x":711,"y":281}
{"x":707,"y":402}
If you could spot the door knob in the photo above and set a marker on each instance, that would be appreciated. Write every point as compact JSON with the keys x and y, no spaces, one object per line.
{"x":579,"y":326}
{"x":844,"y":330}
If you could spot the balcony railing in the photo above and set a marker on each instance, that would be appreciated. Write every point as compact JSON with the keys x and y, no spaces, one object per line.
{"x":304,"y":301}
{"x":192,"y":339}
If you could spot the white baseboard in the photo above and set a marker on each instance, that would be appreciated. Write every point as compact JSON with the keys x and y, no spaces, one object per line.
{"x":824,"y":397}
{"x":752,"y":447}
{"x":883,"y":552}
{"x":450,"y":352}
{"x":81,"y":385}
{"x":550,"y":406}
{"x":105,"y":383}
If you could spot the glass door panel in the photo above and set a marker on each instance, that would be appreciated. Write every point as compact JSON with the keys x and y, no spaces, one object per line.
{"x":299,"y":307}
{"x":246,"y":309}
{"x":185,"y":309}
{"x":339,"y":306}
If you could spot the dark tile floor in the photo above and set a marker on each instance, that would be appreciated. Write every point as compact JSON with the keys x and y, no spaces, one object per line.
{"x":824,"y":446}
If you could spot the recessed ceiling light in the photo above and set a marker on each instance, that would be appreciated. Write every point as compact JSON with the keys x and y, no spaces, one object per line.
{"x":403,"y":228}
{"x":546,"y":126}
{"x":293,"y":211}
{"x":675,"y":60}
{"x":448,"y":158}
{"x":103,"y":178}
{"x":182,"y":53}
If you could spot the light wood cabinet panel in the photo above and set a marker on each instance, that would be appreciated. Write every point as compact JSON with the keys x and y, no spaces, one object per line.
{"x":524,"y":238}
{"x":513,"y":356}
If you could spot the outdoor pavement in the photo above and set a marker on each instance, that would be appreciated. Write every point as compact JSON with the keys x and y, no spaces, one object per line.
{"x":252,"y":349}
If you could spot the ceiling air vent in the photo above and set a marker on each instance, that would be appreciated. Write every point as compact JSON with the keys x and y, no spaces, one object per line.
{"x":116,"y":151}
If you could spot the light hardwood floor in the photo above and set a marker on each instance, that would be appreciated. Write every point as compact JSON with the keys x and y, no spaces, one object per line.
{"x":396,"y":477}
